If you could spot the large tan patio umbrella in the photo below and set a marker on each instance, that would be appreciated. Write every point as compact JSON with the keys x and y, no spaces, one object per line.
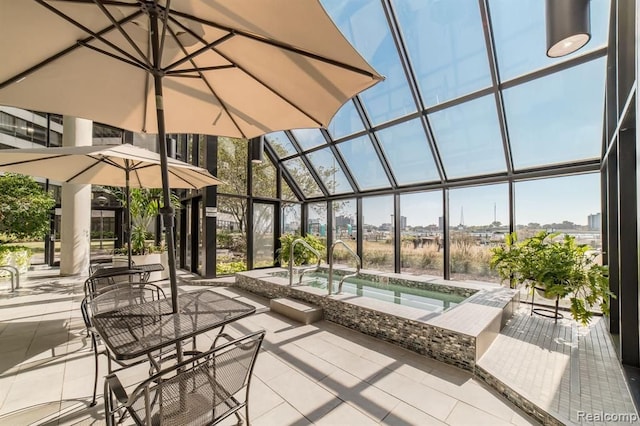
{"x":124,"y":165}
{"x":237,"y":68}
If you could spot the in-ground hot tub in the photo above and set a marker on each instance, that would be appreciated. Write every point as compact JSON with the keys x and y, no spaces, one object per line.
{"x":458,"y":334}
{"x":427,"y":299}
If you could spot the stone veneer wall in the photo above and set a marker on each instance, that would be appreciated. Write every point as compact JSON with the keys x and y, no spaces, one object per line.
{"x":441,"y":344}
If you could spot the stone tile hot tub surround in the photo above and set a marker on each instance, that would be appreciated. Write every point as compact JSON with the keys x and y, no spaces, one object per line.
{"x":458,"y":336}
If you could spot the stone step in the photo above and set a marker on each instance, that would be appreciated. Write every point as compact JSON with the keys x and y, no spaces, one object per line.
{"x":296,"y":310}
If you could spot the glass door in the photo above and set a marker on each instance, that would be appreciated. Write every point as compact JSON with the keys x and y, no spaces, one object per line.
{"x":264,"y":234}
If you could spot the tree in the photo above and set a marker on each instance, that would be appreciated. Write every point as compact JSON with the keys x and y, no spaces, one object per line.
{"x":24,"y":207}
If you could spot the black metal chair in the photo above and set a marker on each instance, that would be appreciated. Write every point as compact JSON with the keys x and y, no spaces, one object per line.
{"x":203,"y":390}
{"x":104,"y":279}
{"x":109,"y":299}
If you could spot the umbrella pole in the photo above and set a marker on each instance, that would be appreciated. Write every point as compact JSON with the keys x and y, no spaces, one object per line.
{"x":127,"y":191}
{"x":167,"y":210}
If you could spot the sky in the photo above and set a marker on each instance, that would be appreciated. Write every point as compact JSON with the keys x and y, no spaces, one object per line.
{"x":552,"y":200}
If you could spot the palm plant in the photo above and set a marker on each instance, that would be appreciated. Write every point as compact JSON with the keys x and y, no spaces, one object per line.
{"x":144,"y":209}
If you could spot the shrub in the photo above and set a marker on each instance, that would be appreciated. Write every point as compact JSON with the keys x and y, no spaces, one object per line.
{"x":24,"y":207}
{"x":302,"y":255}
{"x":18,"y":256}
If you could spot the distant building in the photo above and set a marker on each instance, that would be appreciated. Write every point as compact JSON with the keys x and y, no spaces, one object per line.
{"x":441,"y":223}
{"x":403,"y":223}
{"x":594,"y":221}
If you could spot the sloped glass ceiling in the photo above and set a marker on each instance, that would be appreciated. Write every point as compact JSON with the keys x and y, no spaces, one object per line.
{"x":469,"y":93}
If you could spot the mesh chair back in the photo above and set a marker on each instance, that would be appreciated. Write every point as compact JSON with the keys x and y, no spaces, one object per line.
{"x":202,"y":390}
{"x":96,"y":283}
{"x":117,"y":296}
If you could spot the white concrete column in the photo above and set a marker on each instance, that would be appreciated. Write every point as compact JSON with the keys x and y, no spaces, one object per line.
{"x":75,"y":231}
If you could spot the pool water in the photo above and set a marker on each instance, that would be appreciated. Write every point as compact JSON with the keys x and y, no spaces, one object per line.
{"x":432,"y":301}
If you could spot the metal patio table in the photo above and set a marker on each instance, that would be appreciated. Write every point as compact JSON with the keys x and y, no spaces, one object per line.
{"x":136,"y":330}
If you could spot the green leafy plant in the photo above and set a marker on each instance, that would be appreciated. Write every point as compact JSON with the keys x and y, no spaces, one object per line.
{"x":18,"y":256}
{"x":560,"y":267}
{"x":25,"y":208}
{"x":301,"y":255}
{"x":145,"y":207}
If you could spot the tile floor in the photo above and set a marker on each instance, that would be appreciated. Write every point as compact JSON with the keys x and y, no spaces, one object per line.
{"x":306,"y":374}
{"x":563,"y":368}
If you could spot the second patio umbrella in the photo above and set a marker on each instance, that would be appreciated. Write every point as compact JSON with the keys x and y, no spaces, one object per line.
{"x":124,"y":165}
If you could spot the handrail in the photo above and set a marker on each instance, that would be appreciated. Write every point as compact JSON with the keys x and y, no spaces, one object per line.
{"x":314,"y":251}
{"x":14,"y":273}
{"x":330,"y":260}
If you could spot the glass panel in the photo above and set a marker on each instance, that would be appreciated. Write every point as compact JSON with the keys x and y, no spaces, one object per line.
{"x":302,"y":177}
{"x":264,"y":179}
{"x":478,"y":220}
{"x":468,"y":138}
{"x":308,"y":138}
{"x":231,"y":236}
{"x":186,"y":207}
{"x":327,"y":167}
{"x":569,"y":205}
{"x":232,"y":165}
{"x":202,"y":238}
{"x":405,"y":146}
{"x":557,"y":118}
{"x":363,"y":161}
{"x":421,"y":220}
{"x":291,"y":218}
{"x":287,"y":193}
{"x":281,"y":144}
{"x":263,"y":234}
{"x":346,"y":122}
{"x":519,"y":33}
{"x":446,"y":46}
{"x":364,"y":24}
{"x":345,"y":228}
{"x":202,"y":151}
{"x":377,"y":241}
{"x":317,"y":223}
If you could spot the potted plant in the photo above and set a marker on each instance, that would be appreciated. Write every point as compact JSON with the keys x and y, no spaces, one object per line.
{"x":558,"y":267}
{"x":144,"y":209}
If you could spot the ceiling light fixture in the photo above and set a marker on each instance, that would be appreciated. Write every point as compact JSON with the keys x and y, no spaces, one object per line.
{"x":256,"y":147}
{"x":568,"y":27}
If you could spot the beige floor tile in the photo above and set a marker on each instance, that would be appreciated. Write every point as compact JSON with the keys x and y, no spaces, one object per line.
{"x":368,"y":399}
{"x":345,"y":415}
{"x":312,"y":400}
{"x":306,"y":363}
{"x":431,"y":401}
{"x":5,"y":386}
{"x":262,"y":398}
{"x":407,"y":415}
{"x":282,"y":415}
{"x":269,"y":366}
{"x":10,"y":361}
{"x":466,"y":415}
{"x":354,"y":364}
{"x":30,"y":414}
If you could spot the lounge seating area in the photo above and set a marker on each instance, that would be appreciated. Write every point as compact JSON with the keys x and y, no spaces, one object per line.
{"x":320,"y":373}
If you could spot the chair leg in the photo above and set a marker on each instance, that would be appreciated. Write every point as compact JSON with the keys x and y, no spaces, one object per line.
{"x":108,"y":408}
{"x":95,"y":369}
